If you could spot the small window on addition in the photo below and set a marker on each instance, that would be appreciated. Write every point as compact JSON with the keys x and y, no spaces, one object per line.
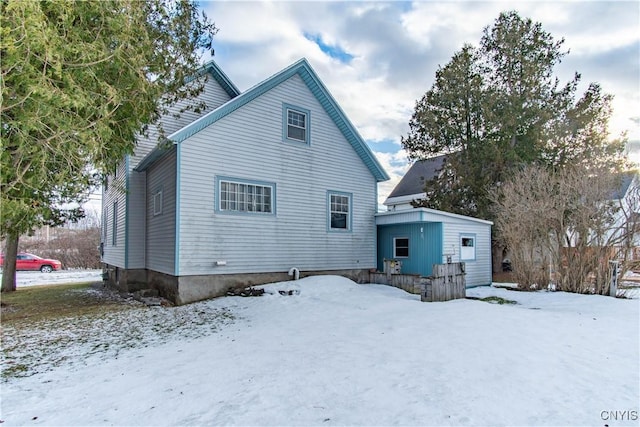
{"x":467,"y":248}
{"x":401,"y":247}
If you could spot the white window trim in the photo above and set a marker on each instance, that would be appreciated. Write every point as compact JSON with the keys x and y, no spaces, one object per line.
{"x":219,"y":201}
{"x":349,"y":220}
{"x":395,"y":247}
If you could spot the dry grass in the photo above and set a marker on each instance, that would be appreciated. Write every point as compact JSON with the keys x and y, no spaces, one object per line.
{"x":37,"y":303}
{"x":45,"y":327}
{"x":503,"y":277}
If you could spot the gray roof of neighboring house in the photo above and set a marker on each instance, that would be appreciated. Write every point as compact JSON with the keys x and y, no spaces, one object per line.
{"x":414,"y":180}
{"x":420,"y":172}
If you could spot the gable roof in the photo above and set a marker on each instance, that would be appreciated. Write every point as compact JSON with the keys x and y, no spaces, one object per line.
{"x":219,"y":76}
{"x":317,"y":88}
{"x":412,"y":183}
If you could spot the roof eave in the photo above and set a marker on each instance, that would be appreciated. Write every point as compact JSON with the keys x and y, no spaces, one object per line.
{"x":159,"y":152}
{"x":404,"y":199}
{"x":435,"y":211}
{"x":304,"y":70}
{"x":216,"y":72}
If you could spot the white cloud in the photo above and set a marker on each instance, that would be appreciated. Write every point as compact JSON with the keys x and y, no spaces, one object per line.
{"x":396,"y":165}
{"x":429,"y":23}
{"x":397,"y":48}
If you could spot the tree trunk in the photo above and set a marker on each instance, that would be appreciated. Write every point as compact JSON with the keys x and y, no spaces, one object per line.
{"x":497,"y":256}
{"x":9,"y":265}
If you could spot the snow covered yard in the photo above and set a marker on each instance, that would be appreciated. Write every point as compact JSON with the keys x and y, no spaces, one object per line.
{"x":338,"y":353}
{"x":36,"y":278}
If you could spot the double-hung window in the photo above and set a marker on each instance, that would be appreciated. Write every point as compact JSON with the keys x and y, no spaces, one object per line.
{"x":339,"y":211}
{"x":245,"y":196}
{"x":296,"y":122}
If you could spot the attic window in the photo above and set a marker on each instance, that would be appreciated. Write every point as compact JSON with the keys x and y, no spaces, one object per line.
{"x":295,"y":123}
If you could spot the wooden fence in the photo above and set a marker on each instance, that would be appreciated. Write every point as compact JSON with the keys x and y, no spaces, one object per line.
{"x":446,"y":283}
{"x":412,"y":283}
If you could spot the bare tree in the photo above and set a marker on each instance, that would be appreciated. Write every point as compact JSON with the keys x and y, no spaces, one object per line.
{"x":570,"y":223}
{"x":524,"y":218}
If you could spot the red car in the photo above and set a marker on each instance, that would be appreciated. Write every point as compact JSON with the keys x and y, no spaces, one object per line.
{"x":25,"y":261}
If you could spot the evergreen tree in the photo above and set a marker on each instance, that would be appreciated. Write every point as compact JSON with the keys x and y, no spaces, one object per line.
{"x":498,"y":107}
{"x":80,"y":79}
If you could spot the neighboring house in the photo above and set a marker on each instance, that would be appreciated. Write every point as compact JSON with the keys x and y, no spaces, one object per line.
{"x":625,"y":224}
{"x":622,"y":228}
{"x":411,"y":186}
{"x":421,"y":237}
{"x":265,"y":181}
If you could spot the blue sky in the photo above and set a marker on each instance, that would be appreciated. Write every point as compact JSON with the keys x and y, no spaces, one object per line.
{"x":378,"y":58}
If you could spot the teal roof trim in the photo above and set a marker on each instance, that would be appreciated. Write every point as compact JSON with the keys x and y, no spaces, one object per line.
{"x":223,"y":80}
{"x":304,"y":70}
{"x":338,"y":116}
{"x":219,"y":76}
{"x":154,"y":155}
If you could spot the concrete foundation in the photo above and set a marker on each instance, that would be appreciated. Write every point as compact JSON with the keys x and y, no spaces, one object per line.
{"x":129,"y":280}
{"x":186,"y":289}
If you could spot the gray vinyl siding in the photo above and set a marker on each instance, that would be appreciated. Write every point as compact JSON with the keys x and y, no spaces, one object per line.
{"x":213,"y":96}
{"x":115,"y":193}
{"x":160,"y":232}
{"x":248,"y":144}
{"x":479,"y":270}
{"x":136,"y":220}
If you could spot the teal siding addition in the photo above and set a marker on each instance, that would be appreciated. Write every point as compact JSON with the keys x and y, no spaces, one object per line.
{"x":425,"y":246}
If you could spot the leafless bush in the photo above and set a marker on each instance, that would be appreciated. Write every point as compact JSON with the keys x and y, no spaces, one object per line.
{"x":75,"y":245}
{"x":571,"y":221}
{"x":522,"y":221}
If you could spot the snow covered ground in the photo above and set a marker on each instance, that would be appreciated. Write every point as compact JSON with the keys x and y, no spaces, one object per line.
{"x":338,"y":353}
{"x":36,"y":278}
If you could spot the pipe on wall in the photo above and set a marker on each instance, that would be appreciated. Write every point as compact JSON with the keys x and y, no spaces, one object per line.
{"x":293,"y":271}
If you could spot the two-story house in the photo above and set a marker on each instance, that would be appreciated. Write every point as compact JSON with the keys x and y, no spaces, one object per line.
{"x":269,"y":181}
